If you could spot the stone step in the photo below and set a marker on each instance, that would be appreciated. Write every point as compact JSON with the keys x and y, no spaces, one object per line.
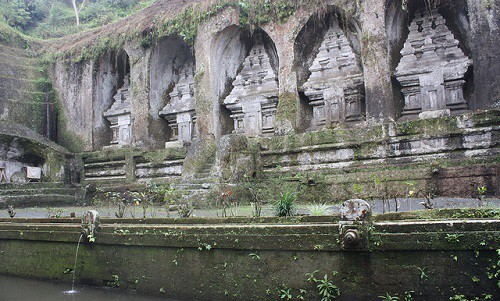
{"x":31,"y":185}
{"x":202,"y":175}
{"x":33,"y":191}
{"x":37,"y":200}
{"x":190,"y":186}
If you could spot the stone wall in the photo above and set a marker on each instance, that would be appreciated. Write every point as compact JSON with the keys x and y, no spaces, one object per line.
{"x":129,"y":166}
{"x":255,"y":259}
{"x":377,"y":94}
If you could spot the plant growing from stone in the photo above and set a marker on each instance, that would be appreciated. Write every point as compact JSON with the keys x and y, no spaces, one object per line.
{"x":285,"y":204}
{"x":325,"y":287}
{"x":389,"y":297}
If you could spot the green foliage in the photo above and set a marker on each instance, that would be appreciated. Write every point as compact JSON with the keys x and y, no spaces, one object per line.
{"x":318,"y":209}
{"x":259,"y":12}
{"x":460,"y":297}
{"x":285,"y":294}
{"x":56,"y":18}
{"x":285,"y":205}
{"x":325,"y":287}
{"x":22,"y":14}
{"x":389,"y":297}
{"x":116,"y":281}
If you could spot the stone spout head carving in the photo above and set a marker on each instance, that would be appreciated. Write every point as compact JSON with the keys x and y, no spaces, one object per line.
{"x":355,"y":210}
{"x":90,"y":223}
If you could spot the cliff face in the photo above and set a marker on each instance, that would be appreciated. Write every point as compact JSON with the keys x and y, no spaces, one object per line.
{"x":342,"y":96}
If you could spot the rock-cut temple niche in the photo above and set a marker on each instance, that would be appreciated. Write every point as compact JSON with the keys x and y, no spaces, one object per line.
{"x":335,"y":86}
{"x":432,"y":69}
{"x":254,"y":97}
{"x":180,"y":110}
{"x":119,"y":115}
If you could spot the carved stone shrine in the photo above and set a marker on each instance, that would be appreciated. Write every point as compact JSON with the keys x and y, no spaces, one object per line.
{"x":254,"y":98}
{"x":180,"y":110}
{"x":119,"y":115}
{"x":432,"y":69}
{"x":335,"y":86}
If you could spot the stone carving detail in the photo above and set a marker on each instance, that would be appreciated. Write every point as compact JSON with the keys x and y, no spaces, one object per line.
{"x":432,"y":69}
{"x":254,"y":98}
{"x":119,"y":115}
{"x":335,"y":86}
{"x":180,"y":111}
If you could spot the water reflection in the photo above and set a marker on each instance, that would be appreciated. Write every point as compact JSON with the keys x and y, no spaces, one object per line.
{"x":20,"y":289}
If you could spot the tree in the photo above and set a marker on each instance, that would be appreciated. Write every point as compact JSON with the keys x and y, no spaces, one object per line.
{"x":77,"y":11}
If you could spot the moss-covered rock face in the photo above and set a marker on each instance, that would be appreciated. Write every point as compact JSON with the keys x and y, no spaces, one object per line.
{"x":23,"y":83}
{"x":251,"y":259}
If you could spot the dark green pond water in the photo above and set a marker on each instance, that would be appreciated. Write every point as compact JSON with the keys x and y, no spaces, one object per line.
{"x":20,"y":289}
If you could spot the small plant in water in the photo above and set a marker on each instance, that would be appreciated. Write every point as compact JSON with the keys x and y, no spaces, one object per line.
{"x":285,"y":205}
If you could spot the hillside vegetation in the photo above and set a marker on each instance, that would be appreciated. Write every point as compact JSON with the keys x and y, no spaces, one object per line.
{"x":56,"y":18}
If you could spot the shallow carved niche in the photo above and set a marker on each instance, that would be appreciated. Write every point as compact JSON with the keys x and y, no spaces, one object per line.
{"x":432,"y":69}
{"x":119,"y":115}
{"x":180,"y":110}
{"x":335,"y":86}
{"x":254,"y":98}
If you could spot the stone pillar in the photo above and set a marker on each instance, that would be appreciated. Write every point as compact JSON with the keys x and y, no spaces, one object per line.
{"x":283,"y":36}
{"x":485,"y":40}
{"x":376,"y":67}
{"x":139,"y":90}
{"x":206,"y":76}
{"x":75,"y":88}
